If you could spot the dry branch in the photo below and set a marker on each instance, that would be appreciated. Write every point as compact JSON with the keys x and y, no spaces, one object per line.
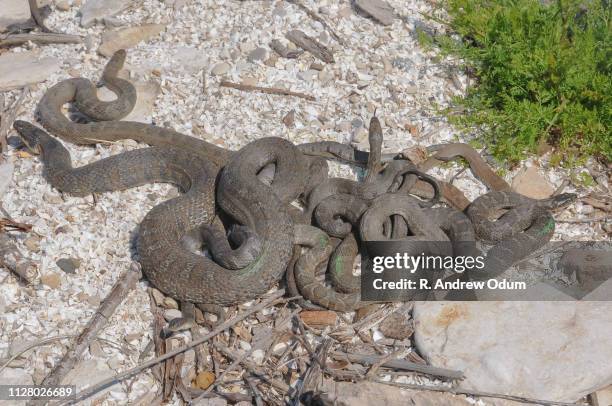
{"x":7,"y":118}
{"x":311,"y":45}
{"x":368,"y":360}
{"x":269,"y":301}
{"x":318,"y":18}
{"x":126,"y":282}
{"x":267,"y":90}
{"x":39,"y":38}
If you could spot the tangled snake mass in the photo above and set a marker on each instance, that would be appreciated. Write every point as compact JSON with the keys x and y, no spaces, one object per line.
{"x":269,"y":210}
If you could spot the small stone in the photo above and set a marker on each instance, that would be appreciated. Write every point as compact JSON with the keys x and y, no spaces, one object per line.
{"x":113,"y":41}
{"x":171,"y":314}
{"x":345,"y":12}
{"x":13,"y":12}
{"x":289,"y":119}
{"x":52,"y":198}
{"x":397,"y":326}
{"x":63,"y":229}
{"x":23,"y":68}
{"x":308,"y":75}
{"x":189,"y":59}
{"x":326,"y":76}
{"x":220,"y":69}
{"x":249,"y":81}
{"x":258,"y":54}
{"x":204,"y":379}
{"x":244,"y":345}
{"x":114,"y":363}
{"x":170,"y":303}
{"x":387,"y":65}
{"x":32,"y":244}
{"x":68,"y":265}
{"x":6,"y":176}
{"x":271,"y":61}
{"x":529,"y":182}
{"x":95,"y":10}
{"x":591,"y":267}
{"x":317,"y":66}
{"x":258,"y":356}
{"x":62,"y":5}
{"x":354,"y":98}
{"x":379,"y":10}
{"x":52,"y":280}
{"x":343,"y":126}
{"x":404,"y":64}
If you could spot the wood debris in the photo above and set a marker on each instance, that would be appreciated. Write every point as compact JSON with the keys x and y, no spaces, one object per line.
{"x":311,"y":45}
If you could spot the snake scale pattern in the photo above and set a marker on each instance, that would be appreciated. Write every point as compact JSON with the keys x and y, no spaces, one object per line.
{"x":241,"y":204}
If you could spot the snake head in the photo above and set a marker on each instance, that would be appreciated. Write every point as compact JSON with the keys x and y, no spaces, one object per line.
{"x":29,"y":134}
{"x":561,"y":201}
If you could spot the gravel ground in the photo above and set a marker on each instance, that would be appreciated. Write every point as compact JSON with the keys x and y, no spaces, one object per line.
{"x":380,"y":69}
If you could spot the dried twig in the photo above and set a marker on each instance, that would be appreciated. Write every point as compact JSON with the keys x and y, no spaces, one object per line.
{"x":7,"y":119}
{"x":311,"y":45}
{"x":587,"y":220}
{"x":11,"y":259}
{"x":37,"y":16}
{"x":270,"y":301}
{"x":40,"y":38}
{"x":457,"y":391}
{"x":382,"y":361}
{"x":12,"y":225}
{"x":318,"y":18}
{"x":252,"y":368}
{"x":598,"y":204}
{"x":365,"y":359}
{"x":268,"y":90}
{"x":38,"y":343}
{"x":126,"y":282}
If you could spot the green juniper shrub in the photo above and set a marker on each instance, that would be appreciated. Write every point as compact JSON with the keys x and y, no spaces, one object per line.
{"x":543,"y":73}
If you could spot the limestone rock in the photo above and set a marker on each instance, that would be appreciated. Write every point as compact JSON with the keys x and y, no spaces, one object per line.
{"x":370,"y":393}
{"x":146,"y":92}
{"x":68,"y":265}
{"x":592,"y":267}
{"x":531,"y":183}
{"x":6,"y":176}
{"x":13,"y":12}
{"x":221,"y":69}
{"x":514,"y":347}
{"x":127,"y":37}
{"x":24,"y":68}
{"x":95,"y":10}
{"x":379,"y":10}
{"x":189,"y":59}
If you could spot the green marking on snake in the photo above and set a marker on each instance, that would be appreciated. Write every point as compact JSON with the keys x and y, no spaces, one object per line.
{"x":548,"y":227}
{"x":323,"y":241}
{"x":338,"y":265}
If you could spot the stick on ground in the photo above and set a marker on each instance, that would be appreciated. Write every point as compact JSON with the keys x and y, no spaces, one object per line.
{"x":269,"y":301}
{"x":40,"y":38}
{"x":267,"y":90}
{"x":126,"y":282}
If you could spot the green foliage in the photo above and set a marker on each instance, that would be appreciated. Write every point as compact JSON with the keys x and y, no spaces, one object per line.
{"x":544,"y":72}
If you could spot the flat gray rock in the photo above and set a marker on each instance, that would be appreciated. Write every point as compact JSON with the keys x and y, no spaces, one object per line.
{"x":13,"y":12}
{"x":94,"y":11}
{"x":557,"y":351}
{"x":6,"y":176}
{"x":125,"y":38}
{"x":379,"y":10}
{"x":18,"y":69}
{"x":146,"y":93}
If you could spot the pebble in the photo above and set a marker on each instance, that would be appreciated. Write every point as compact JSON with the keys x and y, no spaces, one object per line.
{"x":249,"y":81}
{"x":24,"y":68}
{"x":6,"y":176}
{"x":170,"y":303}
{"x":52,"y":280}
{"x":308,"y":75}
{"x":124,"y":38}
{"x":95,"y":10}
{"x":529,"y":182}
{"x":258,"y":54}
{"x":13,"y":12}
{"x":404,"y":64}
{"x":62,"y":5}
{"x":32,"y":244}
{"x":591,"y":266}
{"x":326,"y":76}
{"x":492,"y":342}
{"x":345,"y":12}
{"x":95,"y":349}
{"x":220,"y":69}
{"x":289,"y":119}
{"x":68,"y":265}
{"x":189,"y":59}
{"x":171,"y":314}
{"x":396,"y":326}
{"x":379,"y":10}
